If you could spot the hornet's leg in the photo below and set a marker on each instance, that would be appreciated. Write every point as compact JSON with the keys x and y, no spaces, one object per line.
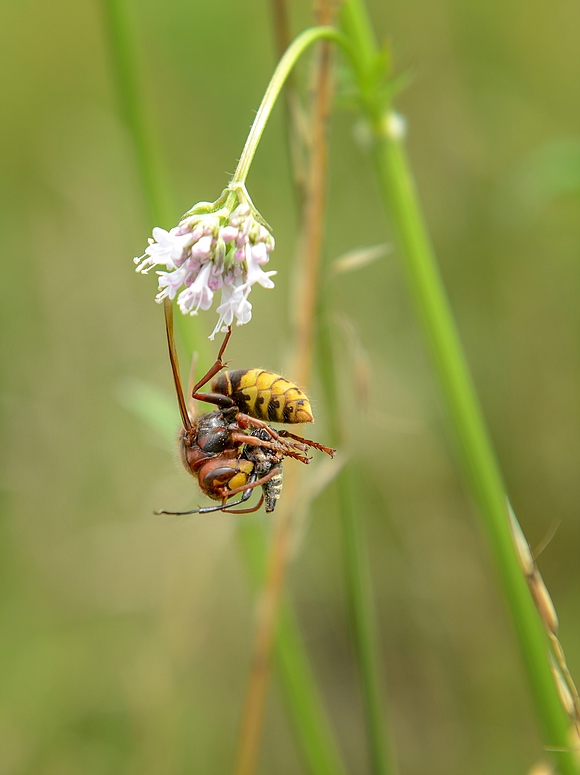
{"x":308,"y":442}
{"x":258,"y":483}
{"x":282,"y":447}
{"x":208,"y":509}
{"x":191,"y":402}
{"x":215,"y":369}
{"x":246,"y":489}
{"x":245,"y":421}
{"x":244,"y":511}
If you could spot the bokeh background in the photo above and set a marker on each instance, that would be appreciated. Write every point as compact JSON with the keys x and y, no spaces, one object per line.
{"x":124,"y":637}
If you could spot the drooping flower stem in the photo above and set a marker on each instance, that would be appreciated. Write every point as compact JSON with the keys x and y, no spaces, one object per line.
{"x":283,"y":69}
{"x":221,"y":245}
{"x":482,"y":472}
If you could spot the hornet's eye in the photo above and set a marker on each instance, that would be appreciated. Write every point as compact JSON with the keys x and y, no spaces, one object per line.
{"x":219,"y":476}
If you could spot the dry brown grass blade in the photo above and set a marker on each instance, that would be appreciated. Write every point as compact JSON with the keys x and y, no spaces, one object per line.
{"x":562,"y":677}
{"x":307,"y":270}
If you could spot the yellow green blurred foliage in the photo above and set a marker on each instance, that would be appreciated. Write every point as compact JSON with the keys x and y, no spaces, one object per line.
{"x":125,"y":637}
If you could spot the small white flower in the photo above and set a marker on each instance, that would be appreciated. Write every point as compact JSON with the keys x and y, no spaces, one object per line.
{"x":212,"y":249}
{"x":198,"y":295}
{"x":234,"y":303}
{"x":225,"y":310}
{"x":202,"y":247}
{"x":244,"y":311}
{"x":260,"y":253}
{"x":231,"y":297}
{"x":170,"y":283}
{"x":166,"y":247}
{"x":255,"y":273}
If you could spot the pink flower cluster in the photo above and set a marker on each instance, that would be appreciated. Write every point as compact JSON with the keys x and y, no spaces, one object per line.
{"x":207,"y":252}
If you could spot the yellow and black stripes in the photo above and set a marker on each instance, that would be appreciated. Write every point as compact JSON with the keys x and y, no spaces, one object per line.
{"x":264,"y":395}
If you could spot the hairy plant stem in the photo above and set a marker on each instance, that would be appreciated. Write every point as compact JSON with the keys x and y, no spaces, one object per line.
{"x":481,"y":469}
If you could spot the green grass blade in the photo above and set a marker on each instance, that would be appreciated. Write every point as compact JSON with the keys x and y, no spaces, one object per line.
{"x":307,"y":712}
{"x":122,"y":40}
{"x":478,"y":459}
{"x":358,"y":577}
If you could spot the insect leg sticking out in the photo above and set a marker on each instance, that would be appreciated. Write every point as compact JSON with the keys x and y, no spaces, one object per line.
{"x":232,"y":450}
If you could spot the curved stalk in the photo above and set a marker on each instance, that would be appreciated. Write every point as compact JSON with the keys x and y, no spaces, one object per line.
{"x":281,"y":73}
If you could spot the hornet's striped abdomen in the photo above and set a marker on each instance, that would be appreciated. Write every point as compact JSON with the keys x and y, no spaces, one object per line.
{"x":264,"y":395}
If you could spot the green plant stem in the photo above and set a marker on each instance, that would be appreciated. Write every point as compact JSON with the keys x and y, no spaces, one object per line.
{"x":121,"y":37}
{"x":281,"y":73}
{"x":483,"y":476}
{"x":307,"y":710}
{"x":120,"y":32}
{"x":358,"y":576}
{"x":477,"y":454}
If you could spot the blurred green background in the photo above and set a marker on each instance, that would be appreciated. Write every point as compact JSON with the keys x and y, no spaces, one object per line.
{"x":124,"y":637}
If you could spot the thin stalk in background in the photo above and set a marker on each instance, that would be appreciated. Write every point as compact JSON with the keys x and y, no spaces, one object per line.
{"x":308,"y":714}
{"x":357,"y":570}
{"x":358,"y":575}
{"x":307,"y":272}
{"x":483,"y":476}
{"x":308,"y":257}
{"x":295,"y":117}
{"x":122,"y":40}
